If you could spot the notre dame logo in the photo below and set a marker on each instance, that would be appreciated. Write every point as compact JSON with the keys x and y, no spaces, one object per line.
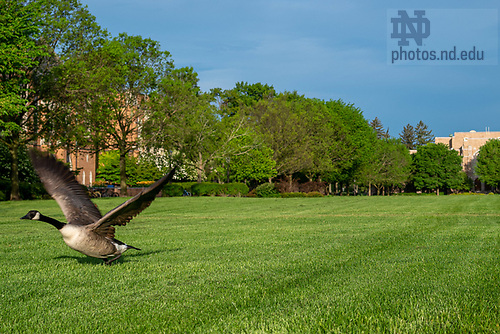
{"x":405,"y":27}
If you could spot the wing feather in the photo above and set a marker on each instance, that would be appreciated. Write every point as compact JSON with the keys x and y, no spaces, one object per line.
{"x":123,"y":213}
{"x":62,"y":185}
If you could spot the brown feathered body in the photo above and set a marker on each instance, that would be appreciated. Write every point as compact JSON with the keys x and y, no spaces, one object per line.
{"x":83,"y":239}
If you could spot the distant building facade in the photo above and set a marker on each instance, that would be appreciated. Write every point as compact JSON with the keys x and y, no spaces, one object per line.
{"x":81,"y":161}
{"x":468,"y":144}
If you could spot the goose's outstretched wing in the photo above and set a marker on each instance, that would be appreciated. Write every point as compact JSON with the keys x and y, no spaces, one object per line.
{"x":61,"y":184}
{"x":123,"y":213}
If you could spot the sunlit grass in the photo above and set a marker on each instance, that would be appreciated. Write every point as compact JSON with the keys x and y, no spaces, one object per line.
{"x":300,"y":265}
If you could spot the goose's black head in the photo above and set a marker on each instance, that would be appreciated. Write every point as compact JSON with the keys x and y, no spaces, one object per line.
{"x":36,"y":215}
{"x":32,"y":215}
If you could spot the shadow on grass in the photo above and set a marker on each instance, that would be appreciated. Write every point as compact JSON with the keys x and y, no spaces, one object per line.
{"x":123,"y":259}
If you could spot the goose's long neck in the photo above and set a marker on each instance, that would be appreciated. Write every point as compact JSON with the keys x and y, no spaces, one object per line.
{"x":54,"y":222}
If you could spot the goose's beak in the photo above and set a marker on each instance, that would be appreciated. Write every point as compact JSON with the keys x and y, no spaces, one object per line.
{"x":25,"y":217}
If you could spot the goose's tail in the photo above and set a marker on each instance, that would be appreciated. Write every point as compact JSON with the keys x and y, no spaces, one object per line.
{"x":128,"y":247}
{"x":123,"y":246}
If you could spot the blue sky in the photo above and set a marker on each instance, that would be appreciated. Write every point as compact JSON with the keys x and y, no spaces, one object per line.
{"x":331,"y":49}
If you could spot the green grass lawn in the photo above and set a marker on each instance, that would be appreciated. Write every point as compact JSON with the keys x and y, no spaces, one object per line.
{"x":421,"y":264}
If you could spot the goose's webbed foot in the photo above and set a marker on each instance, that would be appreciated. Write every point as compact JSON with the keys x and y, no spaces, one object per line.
{"x":108,"y":262}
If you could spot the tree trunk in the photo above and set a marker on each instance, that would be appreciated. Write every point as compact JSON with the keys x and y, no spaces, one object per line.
{"x":200,"y":167}
{"x":369,"y":188}
{"x":228,"y":175}
{"x":123,"y":174}
{"x":96,"y":163}
{"x":14,"y":173}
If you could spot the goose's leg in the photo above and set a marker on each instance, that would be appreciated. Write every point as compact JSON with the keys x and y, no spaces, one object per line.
{"x":108,"y":262}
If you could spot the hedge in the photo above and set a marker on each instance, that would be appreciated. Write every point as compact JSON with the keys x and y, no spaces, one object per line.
{"x":267,"y":190}
{"x":314,"y":194}
{"x":206,"y":189}
{"x":235,"y":189}
{"x":172,"y":190}
{"x":294,"y":194}
{"x":302,"y":194}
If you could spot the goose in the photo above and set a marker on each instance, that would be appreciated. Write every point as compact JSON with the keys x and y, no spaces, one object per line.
{"x":86,"y":230}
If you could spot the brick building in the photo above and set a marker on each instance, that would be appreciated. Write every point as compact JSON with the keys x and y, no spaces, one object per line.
{"x":80,"y":161}
{"x":468,"y":145}
{"x":83,"y":163}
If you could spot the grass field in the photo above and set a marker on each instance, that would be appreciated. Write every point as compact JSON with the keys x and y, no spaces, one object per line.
{"x":247,"y":265}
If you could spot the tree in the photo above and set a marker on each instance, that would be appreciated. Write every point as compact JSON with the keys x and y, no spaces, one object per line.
{"x":436,"y":167}
{"x":187,"y":121}
{"x":26,"y":171}
{"x":488,"y":163}
{"x":326,"y":139}
{"x":19,"y":32}
{"x":78,"y":100}
{"x":376,"y":124}
{"x":397,"y":163}
{"x":182,"y":119}
{"x":281,"y":124}
{"x":34,"y":37}
{"x":117,"y":76}
{"x":423,"y":136}
{"x":100,"y":93}
{"x":138,"y":65}
{"x":408,"y":137}
{"x":355,"y":142}
{"x":390,"y":165}
{"x":109,"y":167}
{"x":242,"y":95}
{"x":414,"y":137}
{"x":256,"y":165}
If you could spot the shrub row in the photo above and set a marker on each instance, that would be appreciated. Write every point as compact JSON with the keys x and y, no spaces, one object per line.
{"x":172,"y":190}
{"x":284,"y":186}
{"x":270,"y":190}
{"x":301,"y":194}
{"x":205,"y":189}
{"x":216,"y":189}
{"x":267,"y":190}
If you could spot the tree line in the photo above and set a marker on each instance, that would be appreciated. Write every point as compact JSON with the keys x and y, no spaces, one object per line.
{"x":67,"y":81}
